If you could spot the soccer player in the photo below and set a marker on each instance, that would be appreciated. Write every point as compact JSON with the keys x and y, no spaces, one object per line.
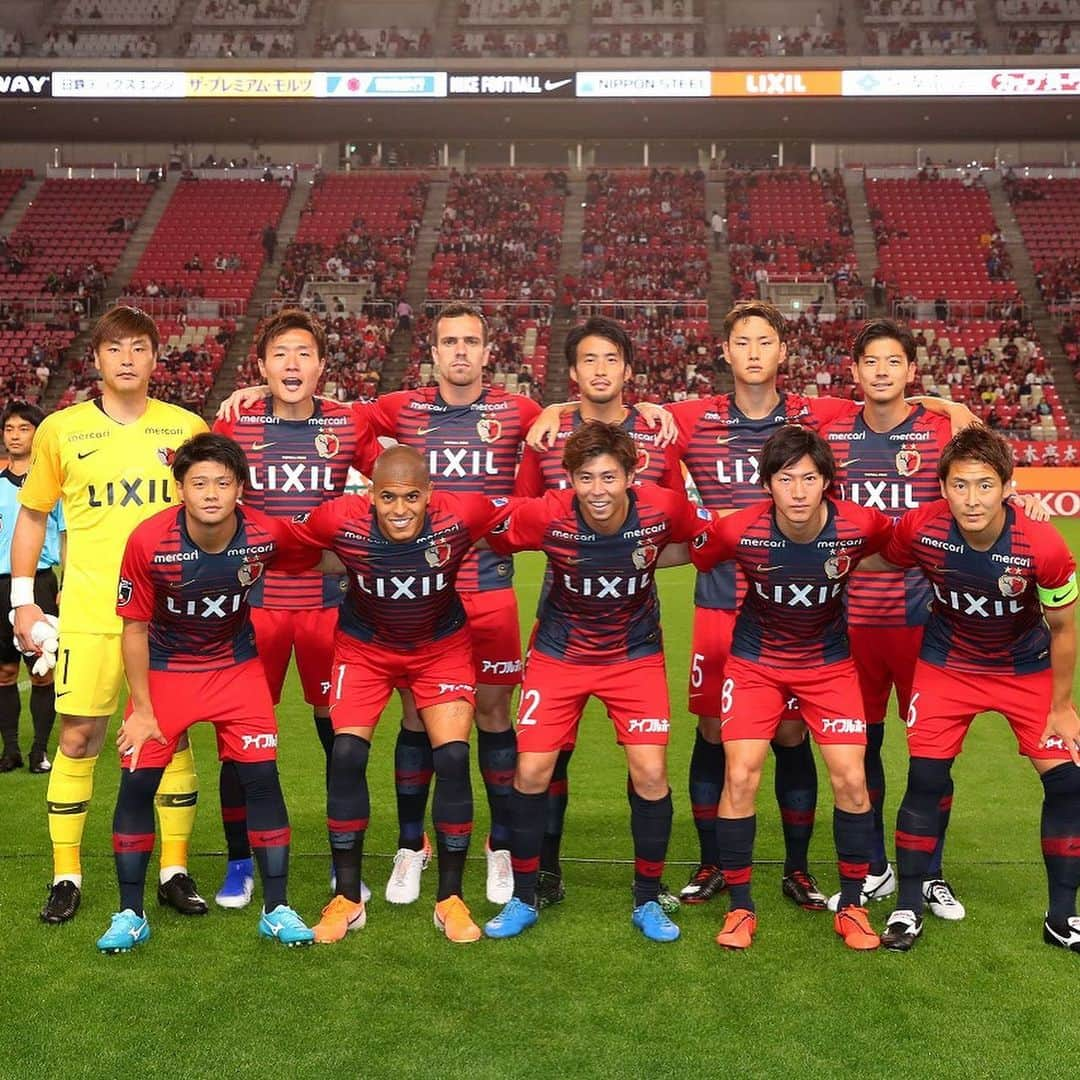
{"x":19,"y":421}
{"x":600,"y":358}
{"x":107,"y":460}
{"x":796,"y":550}
{"x":299,"y":449}
{"x":598,"y":634}
{"x":888,"y":458}
{"x":189,"y":656}
{"x":401,"y":624}
{"x":720,"y":439}
{"x":1001,"y":637}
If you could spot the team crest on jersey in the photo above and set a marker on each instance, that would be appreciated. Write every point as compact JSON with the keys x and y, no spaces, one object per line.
{"x":327,"y":444}
{"x":249,"y":572}
{"x":438,"y":554}
{"x":166,"y":455}
{"x":836,"y":566}
{"x":644,"y":555}
{"x":488,"y":428}
{"x":123,"y":595}
{"x":1012,"y":583}
{"x":908,"y":461}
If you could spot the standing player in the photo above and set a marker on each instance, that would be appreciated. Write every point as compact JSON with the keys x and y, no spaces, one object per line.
{"x":299,"y":449}
{"x":1001,"y":637}
{"x":598,"y":633}
{"x":108,"y":461}
{"x":789,"y":640}
{"x":888,"y":457}
{"x":721,"y":439}
{"x":189,"y":656}
{"x":19,"y":421}
{"x":600,"y":357}
{"x":401,"y":624}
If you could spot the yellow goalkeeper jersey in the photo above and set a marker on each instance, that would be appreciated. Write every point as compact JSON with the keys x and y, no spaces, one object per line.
{"x":110,"y":477}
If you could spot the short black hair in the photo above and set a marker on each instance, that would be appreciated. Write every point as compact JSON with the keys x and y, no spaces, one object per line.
{"x":24,"y":411}
{"x":594,"y":438}
{"x":977,"y":443}
{"x":602,"y":327}
{"x":210,"y":447}
{"x":789,"y":445}
{"x":876,"y":329}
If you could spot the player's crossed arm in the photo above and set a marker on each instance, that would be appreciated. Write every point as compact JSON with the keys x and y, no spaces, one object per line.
{"x":541,"y":436}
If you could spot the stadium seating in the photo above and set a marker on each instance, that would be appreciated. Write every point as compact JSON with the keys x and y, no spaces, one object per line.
{"x":251,"y":12}
{"x":250,"y":44}
{"x":26,"y":351}
{"x":1029,"y":11}
{"x":784,"y":41}
{"x":787,"y":224}
{"x":916,"y":11}
{"x":117,"y":12}
{"x":1054,"y":39}
{"x":367,"y":223}
{"x":517,"y":12}
{"x":69,"y":235}
{"x":501,"y":236}
{"x":510,"y":43}
{"x":11,"y":43}
{"x":81,"y":43}
{"x":921,"y":41}
{"x":653,"y":12}
{"x":938,"y":239}
{"x":1048,"y":213}
{"x":11,"y":182}
{"x":644,"y":237}
{"x":208,"y":218}
{"x":391,"y":42}
{"x":646,"y":42}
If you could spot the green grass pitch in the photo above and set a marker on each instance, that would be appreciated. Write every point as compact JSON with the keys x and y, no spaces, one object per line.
{"x":581,"y":995}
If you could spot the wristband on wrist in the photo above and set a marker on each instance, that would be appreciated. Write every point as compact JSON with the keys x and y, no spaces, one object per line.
{"x":22,"y":591}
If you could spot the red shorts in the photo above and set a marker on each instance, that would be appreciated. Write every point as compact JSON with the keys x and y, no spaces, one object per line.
{"x":235,"y":700}
{"x":944,"y":702}
{"x":496,"y":636}
{"x":755,"y":697}
{"x":885,"y":657}
{"x":365,"y":675}
{"x":554,"y":694}
{"x":713,"y":628}
{"x":310,"y":632}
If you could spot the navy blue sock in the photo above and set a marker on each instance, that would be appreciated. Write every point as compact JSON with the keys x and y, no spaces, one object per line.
{"x":527,"y":833}
{"x":413,"y":769}
{"x":650,"y":826}
{"x":706,"y":786}
{"x":875,"y":787}
{"x":1061,"y":838}
{"x":918,"y":827}
{"x":854,"y":837}
{"x":348,"y":807}
{"x":452,"y":809}
{"x":796,"y":795}
{"x":133,"y":833}
{"x":268,"y":828}
{"x":735,"y":841}
{"x":497,"y":754}
{"x":233,"y":812}
{"x":558,"y":795}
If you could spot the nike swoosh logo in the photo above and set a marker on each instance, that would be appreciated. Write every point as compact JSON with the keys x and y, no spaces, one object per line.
{"x":721,"y":440}
{"x":424,"y":430}
{"x":1059,"y":599}
{"x":261,"y":445}
{"x":552,"y":84}
{"x":86,"y":454}
{"x":62,"y":693}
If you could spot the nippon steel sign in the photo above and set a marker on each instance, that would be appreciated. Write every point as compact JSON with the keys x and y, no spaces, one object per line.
{"x":545,"y":84}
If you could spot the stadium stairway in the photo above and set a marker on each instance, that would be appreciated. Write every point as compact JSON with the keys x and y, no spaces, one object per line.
{"x":719,"y":295}
{"x":393,"y":372}
{"x":577,"y":32}
{"x":1024,"y":275}
{"x":264,"y":289}
{"x":862,"y":235}
{"x":557,"y":383}
{"x":17,"y":207}
{"x":995,"y":32}
{"x":115,"y":288}
{"x":441,"y":36}
{"x":715,"y":27}
{"x":170,"y":37}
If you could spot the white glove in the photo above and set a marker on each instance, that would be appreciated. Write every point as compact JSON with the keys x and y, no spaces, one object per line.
{"x":43,"y":634}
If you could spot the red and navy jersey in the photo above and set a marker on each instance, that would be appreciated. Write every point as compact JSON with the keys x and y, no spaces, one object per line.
{"x":196,"y":601}
{"x":469,"y":448}
{"x":986,"y":613}
{"x":719,"y":445}
{"x":602,"y":606}
{"x":540,"y":472}
{"x":401,"y":595}
{"x":892,"y":471}
{"x":293,"y":466}
{"x":793,"y":610}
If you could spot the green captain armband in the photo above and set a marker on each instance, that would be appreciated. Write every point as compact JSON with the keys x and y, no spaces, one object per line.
{"x":1061,"y":596}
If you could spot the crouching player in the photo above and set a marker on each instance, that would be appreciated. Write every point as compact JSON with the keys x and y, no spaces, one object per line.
{"x":1002,"y":638}
{"x":401,"y":625}
{"x":797,"y":552}
{"x":598,"y":634}
{"x":189,"y":656}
